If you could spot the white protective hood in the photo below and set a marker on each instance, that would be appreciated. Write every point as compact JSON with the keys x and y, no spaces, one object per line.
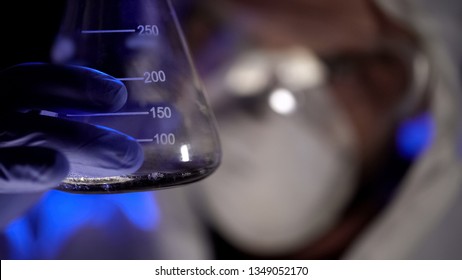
{"x":425,"y":219}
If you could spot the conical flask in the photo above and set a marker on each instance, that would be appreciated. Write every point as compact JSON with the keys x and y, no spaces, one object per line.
{"x":140,"y":42}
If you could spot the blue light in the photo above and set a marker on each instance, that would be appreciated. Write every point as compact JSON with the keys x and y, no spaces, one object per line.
{"x":59,"y":215}
{"x":62,"y":214}
{"x":139,"y":208}
{"x":20,"y":239}
{"x":415,"y":136}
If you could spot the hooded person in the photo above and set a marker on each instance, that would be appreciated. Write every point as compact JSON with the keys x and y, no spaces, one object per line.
{"x":309,"y":125}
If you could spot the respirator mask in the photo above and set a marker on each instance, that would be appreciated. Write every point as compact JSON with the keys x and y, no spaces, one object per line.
{"x":290,"y":162}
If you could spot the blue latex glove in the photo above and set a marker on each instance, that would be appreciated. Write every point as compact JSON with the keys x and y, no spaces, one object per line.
{"x":36,"y":151}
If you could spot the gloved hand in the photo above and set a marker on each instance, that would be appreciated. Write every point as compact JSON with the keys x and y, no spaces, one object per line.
{"x":36,"y":151}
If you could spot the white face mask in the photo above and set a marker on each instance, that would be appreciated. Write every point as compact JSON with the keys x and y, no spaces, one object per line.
{"x":284,"y":179}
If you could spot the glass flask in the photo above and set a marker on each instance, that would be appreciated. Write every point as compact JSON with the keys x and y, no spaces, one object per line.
{"x":140,"y":43}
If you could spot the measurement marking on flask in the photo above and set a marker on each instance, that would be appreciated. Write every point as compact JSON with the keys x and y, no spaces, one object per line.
{"x":110,"y":114}
{"x":152,"y":77}
{"x":145,"y":140}
{"x":131,"y":79}
{"x":100,"y":31}
{"x":161,"y":139}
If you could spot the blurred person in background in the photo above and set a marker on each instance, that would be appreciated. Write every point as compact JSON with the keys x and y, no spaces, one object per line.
{"x":339,"y":122}
{"x":340,"y":129}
